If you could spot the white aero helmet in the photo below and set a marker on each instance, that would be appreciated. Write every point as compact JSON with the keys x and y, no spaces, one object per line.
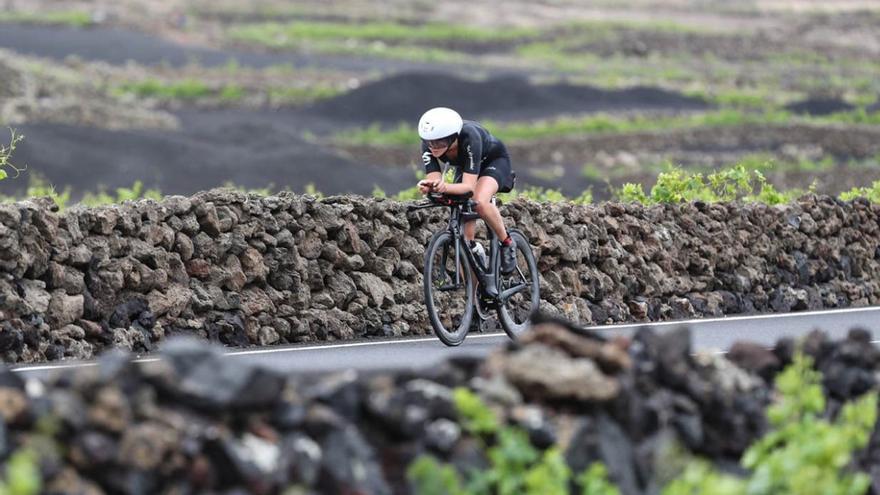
{"x":439,"y":123}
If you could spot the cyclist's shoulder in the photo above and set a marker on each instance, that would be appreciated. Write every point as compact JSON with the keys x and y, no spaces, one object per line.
{"x":475,"y":131}
{"x":470,"y":126}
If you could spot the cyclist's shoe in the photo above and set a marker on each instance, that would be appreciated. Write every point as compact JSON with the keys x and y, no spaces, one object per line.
{"x":508,"y":258}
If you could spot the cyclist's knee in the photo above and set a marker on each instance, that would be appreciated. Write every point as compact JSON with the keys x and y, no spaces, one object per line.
{"x":484,"y":205}
{"x":483,"y":198}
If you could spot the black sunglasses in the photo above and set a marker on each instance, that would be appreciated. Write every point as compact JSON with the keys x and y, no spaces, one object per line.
{"x":438,"y":143}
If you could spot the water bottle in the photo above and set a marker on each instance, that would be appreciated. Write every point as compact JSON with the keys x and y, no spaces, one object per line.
{"x":479,"y":254}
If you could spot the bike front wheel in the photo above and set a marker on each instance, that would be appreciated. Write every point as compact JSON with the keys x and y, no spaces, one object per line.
{"x":448,"y":289}
{"x":520,"y":290}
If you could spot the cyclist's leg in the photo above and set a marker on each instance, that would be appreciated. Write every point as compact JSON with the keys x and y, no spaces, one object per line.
{"x":470,"y":230}
{"x":470,"y":227}
{"x":492,"y":175}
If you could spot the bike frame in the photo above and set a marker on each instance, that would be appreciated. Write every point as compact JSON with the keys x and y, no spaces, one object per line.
{"x":486,"y":276}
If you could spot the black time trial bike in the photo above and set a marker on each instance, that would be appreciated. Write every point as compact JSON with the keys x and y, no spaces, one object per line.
{"x":462,"y":286}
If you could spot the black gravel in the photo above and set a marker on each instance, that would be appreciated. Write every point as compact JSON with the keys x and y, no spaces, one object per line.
{"x":251,"y":149}
{"x":403,"y":97}
{"x":820,"y":106}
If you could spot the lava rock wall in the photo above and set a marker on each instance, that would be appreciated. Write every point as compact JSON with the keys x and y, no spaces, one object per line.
{"x":196,"y":422}
{"x":251,"y":270}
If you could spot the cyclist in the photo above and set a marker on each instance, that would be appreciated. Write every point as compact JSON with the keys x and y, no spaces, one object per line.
{"x":482,"y":168}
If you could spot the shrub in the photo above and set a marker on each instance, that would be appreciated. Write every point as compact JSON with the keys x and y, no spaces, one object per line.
{"x":38,"y":187}
{"x":311,"y":190}
{"x":872,"y":193}
{"x":736,"y":183}
{"x":804,"y":454}
{"x":516,"y":466}
{"x":22,"y":474}
{"x":542,"y":195}
{"x":135,"y":192}
{"x":6,"y":155}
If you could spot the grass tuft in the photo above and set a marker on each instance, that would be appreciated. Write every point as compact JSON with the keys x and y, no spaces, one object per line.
{"x":63,"y":18}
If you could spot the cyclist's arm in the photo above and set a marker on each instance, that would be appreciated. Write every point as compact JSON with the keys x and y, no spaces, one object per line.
{"x":467,"y":185}
{"x":473,"y":149}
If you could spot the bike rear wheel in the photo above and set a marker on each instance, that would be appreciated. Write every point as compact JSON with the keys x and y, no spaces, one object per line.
{"x":522,"y":287}
{"x":448,"y":289}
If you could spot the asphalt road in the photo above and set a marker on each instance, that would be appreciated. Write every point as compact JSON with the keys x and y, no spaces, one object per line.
{"x":400,"y":354}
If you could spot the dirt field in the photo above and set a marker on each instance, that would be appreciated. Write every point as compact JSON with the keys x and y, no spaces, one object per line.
{"x":647,"y":58}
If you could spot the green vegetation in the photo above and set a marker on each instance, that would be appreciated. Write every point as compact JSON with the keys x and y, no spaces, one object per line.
{"x":404,"y":134}
{"x":66,"y":18}
{"x":248,"y":11}
{"x":133,"y":193}
{"x":408,"y":194}
{"x":22,"y":474}
{"x":287,"y":34}
{"x":776,"y":78}
{"x":516,"y":467}
{"x":542,"y":195}
{"x":189,"y":89}
{"x":262,"y":191}
{"x":566,"y":47}
{"x":354,"y":47}
{"x":734,"y":98}
{"x":803,"y":453}
{"x":763,"y":162}
{"x":744,"y":182}
{"x":310,"y":190}
{"x":736,"y":183}
{"x":872,"y":193}
{"x":6,"y":155}
{"x":38,"y":187}
{"x":598,"y":29}
{"x":231,"y":93}
{"x":292,"y":95}
{"x":381,"y":39}
{"x":538,"y":194}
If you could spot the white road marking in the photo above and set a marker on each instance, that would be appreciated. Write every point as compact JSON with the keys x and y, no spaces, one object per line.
{"x":736,"y":318}
{"x":319,"y":347}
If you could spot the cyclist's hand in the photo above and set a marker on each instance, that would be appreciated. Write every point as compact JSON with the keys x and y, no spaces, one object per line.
{"x":425,"y":186}
{"x":440,"y":187}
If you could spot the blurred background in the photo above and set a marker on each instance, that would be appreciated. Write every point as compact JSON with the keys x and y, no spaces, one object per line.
{"x":176,"y":96}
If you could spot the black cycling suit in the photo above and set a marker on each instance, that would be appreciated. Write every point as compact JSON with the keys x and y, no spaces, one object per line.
{"x":479,"y":152}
